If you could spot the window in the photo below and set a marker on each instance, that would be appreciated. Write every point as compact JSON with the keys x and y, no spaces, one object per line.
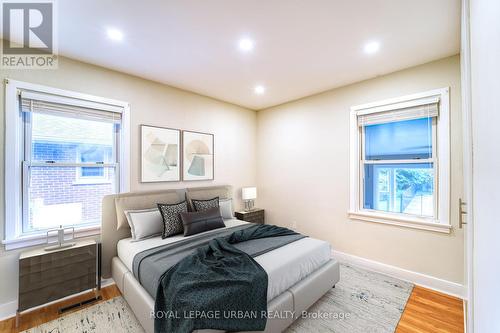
{"x":398,"y":174}
{"x":66,"y":152}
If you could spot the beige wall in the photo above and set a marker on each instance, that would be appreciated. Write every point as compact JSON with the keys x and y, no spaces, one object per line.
{"x":154,"y":104}
{"x":303,"y":172}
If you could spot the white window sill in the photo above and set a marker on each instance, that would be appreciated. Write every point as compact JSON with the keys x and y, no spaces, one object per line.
{"x":402,"y":221}
{"x":41,"y":238}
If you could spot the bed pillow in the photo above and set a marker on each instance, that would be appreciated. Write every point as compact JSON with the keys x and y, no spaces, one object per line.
{"x":201,"y":205}
{"x":196,"y":222}
{"x":172,"y":224}
{"x":226,"y":208}
{"x":144,"y":223}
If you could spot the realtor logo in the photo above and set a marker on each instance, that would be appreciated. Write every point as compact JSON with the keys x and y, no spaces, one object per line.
{"x":28,"y":35}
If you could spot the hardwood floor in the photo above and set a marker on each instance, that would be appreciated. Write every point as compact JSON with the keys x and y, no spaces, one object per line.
{"x":427,"y":311}
{"x":42,"y":315}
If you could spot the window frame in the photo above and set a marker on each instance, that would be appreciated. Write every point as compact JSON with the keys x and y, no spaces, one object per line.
{"x":440,"y":159}
{"x":15,"y":173}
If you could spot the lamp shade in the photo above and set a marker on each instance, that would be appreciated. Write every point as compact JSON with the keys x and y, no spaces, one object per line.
{"x":249,"y":193}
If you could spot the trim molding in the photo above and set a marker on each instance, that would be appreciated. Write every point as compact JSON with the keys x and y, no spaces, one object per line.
{"x":465,"y":70}
{"x":8,"y":310}
{"x":427,"y":281}
{"x":41,"y":239}
{"x":414,"y":223}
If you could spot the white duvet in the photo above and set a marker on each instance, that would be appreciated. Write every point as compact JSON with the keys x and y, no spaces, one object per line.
{"x":285,"y":266}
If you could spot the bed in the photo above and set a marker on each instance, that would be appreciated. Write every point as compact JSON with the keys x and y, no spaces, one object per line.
{"x":299,"y":273}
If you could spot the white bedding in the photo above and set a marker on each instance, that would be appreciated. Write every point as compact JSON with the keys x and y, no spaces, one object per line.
{"x":285,"y":266}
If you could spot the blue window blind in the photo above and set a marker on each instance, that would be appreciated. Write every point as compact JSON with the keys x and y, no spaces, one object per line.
{"x":408,"y":139}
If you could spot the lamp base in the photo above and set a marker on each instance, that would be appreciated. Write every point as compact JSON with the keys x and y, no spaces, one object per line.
{"x":249,"y":205}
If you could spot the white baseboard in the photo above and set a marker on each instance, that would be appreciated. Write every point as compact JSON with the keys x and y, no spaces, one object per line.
{"x":8,"y":310}
{"x":427,"y":281}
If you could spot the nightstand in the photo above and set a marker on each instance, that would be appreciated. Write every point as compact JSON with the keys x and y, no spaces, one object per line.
{"x":45,"y":276}
{"x":255,"y":215}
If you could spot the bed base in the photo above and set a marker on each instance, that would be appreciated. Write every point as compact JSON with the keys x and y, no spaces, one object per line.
{"x":297,"y":298}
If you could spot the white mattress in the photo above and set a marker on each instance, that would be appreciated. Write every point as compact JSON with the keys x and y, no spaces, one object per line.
{"x":285,"y":266}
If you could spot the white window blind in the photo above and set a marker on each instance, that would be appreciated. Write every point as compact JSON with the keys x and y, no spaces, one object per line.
{"x":426,"y":109}
{"x":69,"y":107}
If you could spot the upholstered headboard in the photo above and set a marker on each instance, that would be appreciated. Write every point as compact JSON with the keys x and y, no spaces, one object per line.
{"x":114,"y":223}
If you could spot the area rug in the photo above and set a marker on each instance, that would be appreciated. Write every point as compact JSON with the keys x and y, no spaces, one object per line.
{"x":362,"y":302}
{"x":112,"y":316}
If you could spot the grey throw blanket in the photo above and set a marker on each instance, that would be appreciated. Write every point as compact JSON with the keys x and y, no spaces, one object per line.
{"x":219,"y":285}
{"x":148,"y":266}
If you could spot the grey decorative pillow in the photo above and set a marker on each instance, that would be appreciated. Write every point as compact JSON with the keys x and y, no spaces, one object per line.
{"x":172,"y":223}
{"x":201,"y":205}
{"x":144,"y":223}
{"x":196,"y":222}
{"x":226,"y":208}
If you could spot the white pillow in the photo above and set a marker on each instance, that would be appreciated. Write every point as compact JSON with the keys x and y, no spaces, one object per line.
{"x":144,"y":223}
{"x":226,"y":208}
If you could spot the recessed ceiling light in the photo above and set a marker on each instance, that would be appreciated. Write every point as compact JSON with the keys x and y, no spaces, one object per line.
{"x":259,"y":90}
{"x":246,"y":44}
{"x":372,"y":47}
{"x":115,"y":34}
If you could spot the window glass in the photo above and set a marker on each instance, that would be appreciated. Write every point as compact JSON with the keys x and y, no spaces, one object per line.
{"x":94,"y":154}
{"x":55,"y":199}
{"x":61,"y":139}
{"x":68,"y":195}
{"x":409,"y":139}
{"x":400,"y":188}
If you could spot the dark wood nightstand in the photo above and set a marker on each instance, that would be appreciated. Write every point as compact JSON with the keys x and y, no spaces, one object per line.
{"x":45,"y":276}
{"x":255,"y":215}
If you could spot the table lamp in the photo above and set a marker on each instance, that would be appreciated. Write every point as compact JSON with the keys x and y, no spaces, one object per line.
{"x":249,"y":194}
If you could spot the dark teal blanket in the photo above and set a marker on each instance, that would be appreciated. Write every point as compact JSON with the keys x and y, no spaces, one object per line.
{"x":220,"y":286}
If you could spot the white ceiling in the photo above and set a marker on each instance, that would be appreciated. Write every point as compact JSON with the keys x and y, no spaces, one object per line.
{"x":302,"y":47}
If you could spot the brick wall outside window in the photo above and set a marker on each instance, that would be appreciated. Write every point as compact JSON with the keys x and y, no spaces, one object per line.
{"x":63,"y":185}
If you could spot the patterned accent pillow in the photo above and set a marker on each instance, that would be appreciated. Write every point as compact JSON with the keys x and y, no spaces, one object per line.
{"x":201,"y":205}
{"x":172,"y":223}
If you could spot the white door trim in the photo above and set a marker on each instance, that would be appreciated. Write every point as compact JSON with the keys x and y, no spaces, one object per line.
{"x":467,"y":165}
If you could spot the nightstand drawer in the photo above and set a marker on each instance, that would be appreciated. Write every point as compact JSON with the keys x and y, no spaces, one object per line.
{"x":59,"y":258}
{"x":254,"y":216}
{"x":47,"y":276}
{"x":35,"y":265}
{"x":56,"y":291}
{"x":256,"y":219}
{"x":57,"y":275}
